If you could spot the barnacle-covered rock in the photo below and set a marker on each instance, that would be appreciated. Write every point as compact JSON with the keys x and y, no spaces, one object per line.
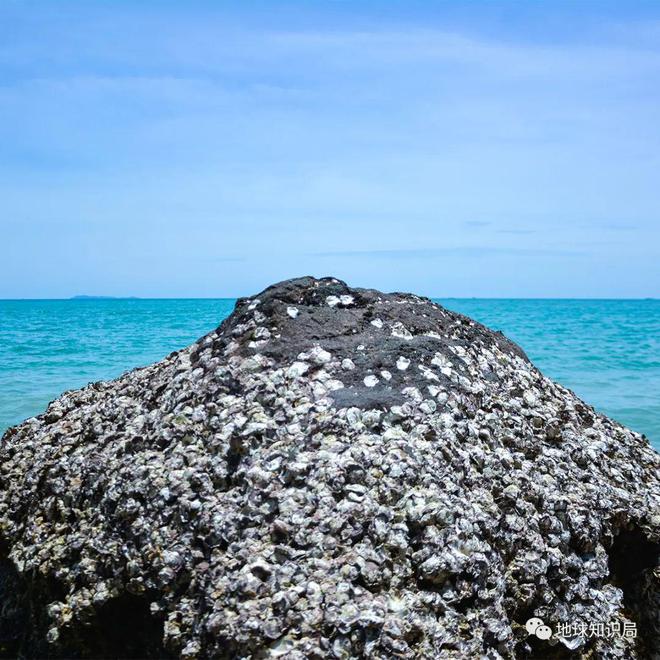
{"x":333,"y":472}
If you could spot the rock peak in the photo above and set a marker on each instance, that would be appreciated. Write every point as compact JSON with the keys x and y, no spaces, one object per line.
{"x":378,"y":344}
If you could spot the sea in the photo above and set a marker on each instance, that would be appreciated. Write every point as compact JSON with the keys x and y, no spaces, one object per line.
{"x":607,"y":351}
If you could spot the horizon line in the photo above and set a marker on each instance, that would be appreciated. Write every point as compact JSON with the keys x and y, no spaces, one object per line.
{"x":83,"y":299}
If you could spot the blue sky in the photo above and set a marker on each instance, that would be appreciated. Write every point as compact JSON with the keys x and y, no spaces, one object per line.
{"x":209,"y":149}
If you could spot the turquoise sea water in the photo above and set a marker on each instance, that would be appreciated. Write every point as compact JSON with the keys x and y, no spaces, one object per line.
{"x":608,"y":351}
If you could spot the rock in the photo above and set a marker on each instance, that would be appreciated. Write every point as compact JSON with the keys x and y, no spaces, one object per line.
{"x":333,"y":472}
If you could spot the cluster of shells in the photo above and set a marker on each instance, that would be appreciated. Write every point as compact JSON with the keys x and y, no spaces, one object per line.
{"x":339,"y":473}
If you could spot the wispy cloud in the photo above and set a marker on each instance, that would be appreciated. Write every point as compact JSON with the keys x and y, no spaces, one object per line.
{"x":620,"y":227}
{"x":459,"y":251}
{"x":511,"y":59}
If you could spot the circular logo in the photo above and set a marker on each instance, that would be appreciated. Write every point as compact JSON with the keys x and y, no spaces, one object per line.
{"x":544,"y":632}
{"x":533,"y":624}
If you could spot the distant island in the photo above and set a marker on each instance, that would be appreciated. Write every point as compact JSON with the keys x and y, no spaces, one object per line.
{"x":104,"y":298}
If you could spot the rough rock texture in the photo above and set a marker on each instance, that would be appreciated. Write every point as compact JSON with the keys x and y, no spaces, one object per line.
{"x":334,"y":472}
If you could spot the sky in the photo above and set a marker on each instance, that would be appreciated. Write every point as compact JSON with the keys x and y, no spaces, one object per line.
{"x":209,"y":149}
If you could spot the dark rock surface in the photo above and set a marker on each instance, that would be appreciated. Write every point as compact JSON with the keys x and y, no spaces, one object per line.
{"x":334,"y":472}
